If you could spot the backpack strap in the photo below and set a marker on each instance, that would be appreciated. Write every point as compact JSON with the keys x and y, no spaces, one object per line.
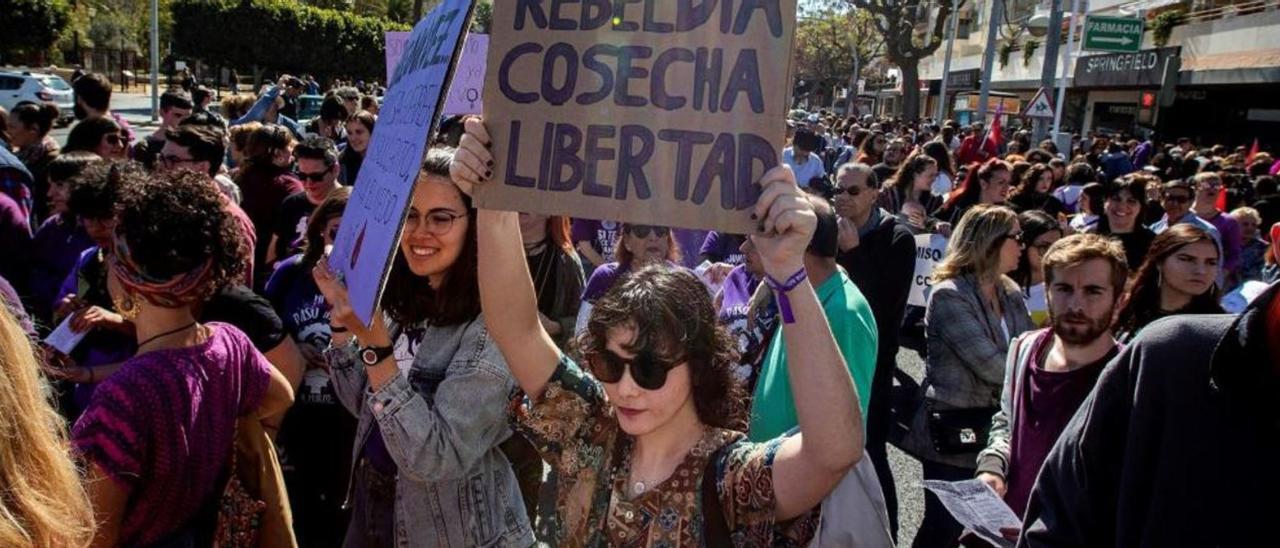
{"x":715,"y":529}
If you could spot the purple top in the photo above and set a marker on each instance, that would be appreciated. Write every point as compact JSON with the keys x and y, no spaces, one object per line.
{"x":723,"y":248}
{"x":58,"y":244}
{"x":162,"y":427}
{"x":9,"y":299}
{"x":602,"y":280}
{"x":1229,"y":229}
{"x":690,"y":242}
{"x":15,"y":242}
{"x":1046,"y":402}
{"x":603,"y":235}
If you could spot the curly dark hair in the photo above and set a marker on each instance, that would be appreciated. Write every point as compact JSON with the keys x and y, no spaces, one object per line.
{"x":98,"y":188}
{"x":174,"y":222}
{"x":674,"y":318}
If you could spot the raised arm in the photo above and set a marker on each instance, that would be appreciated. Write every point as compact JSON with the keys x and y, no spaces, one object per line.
{"x":506,"y":291}
{"x":809,"y":465}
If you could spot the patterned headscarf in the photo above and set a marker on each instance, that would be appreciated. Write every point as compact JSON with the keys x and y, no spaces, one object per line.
{"x":176,"y":292}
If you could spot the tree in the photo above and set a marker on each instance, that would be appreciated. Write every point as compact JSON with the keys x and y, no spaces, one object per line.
{"x":833,"y":44}
{"x":31,"y":26}
{"x":897,"y":22}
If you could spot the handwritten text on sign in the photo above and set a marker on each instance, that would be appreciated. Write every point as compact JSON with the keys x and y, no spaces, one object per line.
{"x":930,"y":248}
{"x":370,"y":231}
{"x":656,"y":112}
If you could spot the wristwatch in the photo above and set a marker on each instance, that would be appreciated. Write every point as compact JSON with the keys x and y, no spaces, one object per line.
{"x":371,"y":355}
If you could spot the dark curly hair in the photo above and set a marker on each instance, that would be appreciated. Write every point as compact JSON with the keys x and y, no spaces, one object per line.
{"x":174,"y":222}
{"x":98,"y":188}
{"x":674,"y":318}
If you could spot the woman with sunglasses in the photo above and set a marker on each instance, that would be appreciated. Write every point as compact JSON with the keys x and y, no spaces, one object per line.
{"x":1039,"y":231}
{"x":640,"y":246}
{"x":1179,"y":276}
{"x":100,"y":135}
{"x":157,"y":438}
{"x":973,"y":311}
{"x":429,"y":388}
{"x":647,"y":446}
{"x":318,"y":432}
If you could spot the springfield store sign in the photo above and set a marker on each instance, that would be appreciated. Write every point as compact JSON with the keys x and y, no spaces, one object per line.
{"x":1142,"y":69}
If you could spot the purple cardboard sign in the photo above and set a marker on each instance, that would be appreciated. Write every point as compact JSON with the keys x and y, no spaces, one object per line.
{"x":370,"y":231}
{"x":467,"y":88}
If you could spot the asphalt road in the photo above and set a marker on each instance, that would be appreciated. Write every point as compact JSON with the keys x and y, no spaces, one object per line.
{"x":136,"y":108}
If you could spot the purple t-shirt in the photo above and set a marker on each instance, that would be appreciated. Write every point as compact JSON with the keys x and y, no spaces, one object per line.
{"x":723,"y":248}
{"x":603,"y":235}
{"x":162,"y":427}
{"x":602,"y":280}
{"x":690,"y":242}
{"x":1045,"y":401}
{"x":57,"y":246}
{"x":15,"y":242}
{"x":735,"y":301}
{"x":9,"y":299}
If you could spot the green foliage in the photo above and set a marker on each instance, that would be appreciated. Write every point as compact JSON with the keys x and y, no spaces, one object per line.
{"x":1029,"y":51}
{"x":1162,"y":26}
{"x":826,"y":38}
{"x":483,"y":18}
{"x":1006,"y":49}
{"x":30,"y":26}
{"x":283,"y":36}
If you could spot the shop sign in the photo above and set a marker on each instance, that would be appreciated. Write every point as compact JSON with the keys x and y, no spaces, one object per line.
{"x":1145,"y":68}
{"x":1117,"y":34}
{"x":964,"y":80}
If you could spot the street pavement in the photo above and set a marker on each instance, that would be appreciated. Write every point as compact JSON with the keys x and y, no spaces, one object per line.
{"x":136,"y":109}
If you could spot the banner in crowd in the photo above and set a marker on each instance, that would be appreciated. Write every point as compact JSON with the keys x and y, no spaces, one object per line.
{"x":465,"y":91}
{"x":930,"y":249}
{"x":661,"y":113}
{"x":370,"y":230}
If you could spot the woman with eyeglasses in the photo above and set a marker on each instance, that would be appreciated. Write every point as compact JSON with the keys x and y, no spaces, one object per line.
{"x":429,"y":388}
{"x":1039,"y":231}
{"x":646,"y":441}
{"x":973,"y":311}
{"x":100,"y":135}
{"x":157,"y":437}
{"x":640,"y":246}
{"x":1122,"y":218}
{"x":318,"y":432}
{"x":1179,"y":276}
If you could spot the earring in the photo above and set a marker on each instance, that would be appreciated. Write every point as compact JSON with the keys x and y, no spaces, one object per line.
{"x":126,"y":306}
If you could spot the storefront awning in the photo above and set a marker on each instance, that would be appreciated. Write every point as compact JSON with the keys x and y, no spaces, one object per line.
{"x":1245,"y":67}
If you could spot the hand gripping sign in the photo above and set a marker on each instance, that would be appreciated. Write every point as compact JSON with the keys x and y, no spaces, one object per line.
{"x":370,"y":232}
{"x":655,"y":111}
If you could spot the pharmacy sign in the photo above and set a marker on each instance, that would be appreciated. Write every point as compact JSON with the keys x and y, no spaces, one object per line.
{"x":1114,"y":34}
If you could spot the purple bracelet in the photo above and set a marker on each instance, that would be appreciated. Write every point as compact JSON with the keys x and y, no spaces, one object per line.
{"x":780,"y":289}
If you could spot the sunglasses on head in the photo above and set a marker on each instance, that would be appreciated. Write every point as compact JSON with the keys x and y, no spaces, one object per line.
{"x":647,"y":370}
{"x":643,"y":231}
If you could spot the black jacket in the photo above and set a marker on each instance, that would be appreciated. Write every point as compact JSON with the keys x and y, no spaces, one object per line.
{"x":1175,"y":446}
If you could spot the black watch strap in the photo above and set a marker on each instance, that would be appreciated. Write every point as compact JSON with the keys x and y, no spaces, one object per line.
{"x":372,"y":355}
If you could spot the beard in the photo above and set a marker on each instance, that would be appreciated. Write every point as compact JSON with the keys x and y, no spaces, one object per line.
{"x":1083,"y":329}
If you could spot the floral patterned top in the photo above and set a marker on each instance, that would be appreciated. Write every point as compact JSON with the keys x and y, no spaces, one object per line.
{"x":575,"y":430}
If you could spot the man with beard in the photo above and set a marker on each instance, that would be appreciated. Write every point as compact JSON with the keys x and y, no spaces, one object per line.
{"x":1050,"y":371}
{"x":93,"y":98}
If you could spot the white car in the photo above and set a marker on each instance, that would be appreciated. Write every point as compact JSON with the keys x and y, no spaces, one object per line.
{"x":18,"y":88}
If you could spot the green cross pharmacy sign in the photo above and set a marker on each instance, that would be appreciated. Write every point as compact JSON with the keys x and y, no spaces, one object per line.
{"x":1115,"y":34}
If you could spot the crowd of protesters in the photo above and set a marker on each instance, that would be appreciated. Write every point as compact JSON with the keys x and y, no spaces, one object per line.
{"x":1101,"y":327}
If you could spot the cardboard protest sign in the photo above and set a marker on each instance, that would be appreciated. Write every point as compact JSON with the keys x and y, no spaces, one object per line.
{"x":930,"y":248}
{"x":370,"y":230}
{"x":466,"y":91}
{"x":468,"y":75}
{"x":658,"y":112}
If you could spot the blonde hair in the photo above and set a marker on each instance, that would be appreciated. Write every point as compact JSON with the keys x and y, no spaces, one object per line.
{"x":1250,"y":213}
{"x":42,"y":502}
{"x":974,"y":247}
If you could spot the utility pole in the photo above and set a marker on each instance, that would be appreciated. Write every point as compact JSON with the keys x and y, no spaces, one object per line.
{"x":989,"y":57}
{"x":155,"y":60}
{"x":946,"y":63}
{"x":853,"y":83}
{"x":1050,"y":71}
{"x":1066,"y":66}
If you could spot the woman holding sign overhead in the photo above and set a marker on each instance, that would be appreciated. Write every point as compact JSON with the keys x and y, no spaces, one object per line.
{"x":429,"y":387}
{"x":646,"y":441}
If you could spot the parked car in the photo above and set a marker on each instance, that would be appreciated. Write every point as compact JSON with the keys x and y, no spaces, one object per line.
{"x":17,"y":88}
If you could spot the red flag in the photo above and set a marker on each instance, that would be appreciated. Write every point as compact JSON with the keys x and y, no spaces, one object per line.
{"x":994,"y":135}
{"x":1253,"y":151}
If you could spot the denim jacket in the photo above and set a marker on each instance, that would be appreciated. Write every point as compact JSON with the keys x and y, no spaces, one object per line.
{"x":442,"y":426}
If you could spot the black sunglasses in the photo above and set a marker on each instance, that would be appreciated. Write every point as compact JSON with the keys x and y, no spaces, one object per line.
{"x":850,"y":190}
{"x":647,"y":370}
{"x":643,"y":231}
{"x":315,"y":177}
